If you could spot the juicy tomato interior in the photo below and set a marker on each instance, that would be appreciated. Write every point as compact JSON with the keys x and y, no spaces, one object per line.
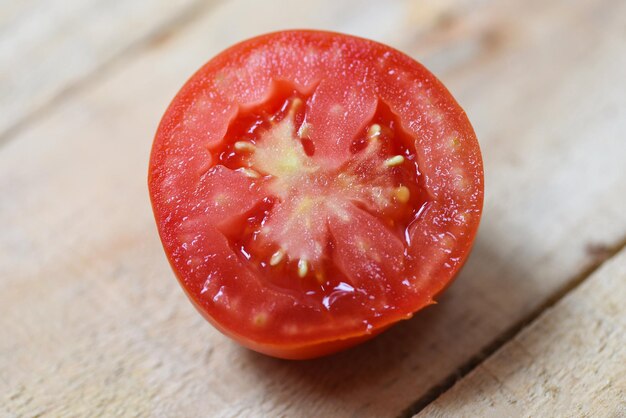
{"x":288,"y":236}
{"x":305,"y":207}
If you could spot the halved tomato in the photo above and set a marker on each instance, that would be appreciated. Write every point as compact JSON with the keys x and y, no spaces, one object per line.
{"x":312,"y":189}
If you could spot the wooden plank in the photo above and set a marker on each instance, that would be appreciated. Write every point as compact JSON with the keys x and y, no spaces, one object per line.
{"x":570,"y":362}
{"x":91,"y":317}
{"x":47,"y":47}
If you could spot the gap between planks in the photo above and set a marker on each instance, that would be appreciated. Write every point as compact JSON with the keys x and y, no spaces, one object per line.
{"x":154,"y":37}
{"x":451,"y":379}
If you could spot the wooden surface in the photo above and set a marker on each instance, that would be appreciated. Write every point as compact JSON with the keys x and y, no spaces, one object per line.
{"x":48,"y":48}
{"x":92,"y":321}
{"x":571,"y":360}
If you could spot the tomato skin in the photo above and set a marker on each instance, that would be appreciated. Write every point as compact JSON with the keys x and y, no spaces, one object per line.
{"x":295,"y":352}
{"x":432,"y":264}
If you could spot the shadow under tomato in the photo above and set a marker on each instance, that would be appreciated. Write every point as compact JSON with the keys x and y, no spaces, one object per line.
{"x":387,"y":375}
{"x":381,"y":377}
{"x":359,"y":381}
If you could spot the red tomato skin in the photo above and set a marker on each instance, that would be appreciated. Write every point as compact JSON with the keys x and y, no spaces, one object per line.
{"x":320,"y":346}
{"x":295,"y":352}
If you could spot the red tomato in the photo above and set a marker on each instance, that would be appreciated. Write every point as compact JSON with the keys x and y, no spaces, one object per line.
{"x":312,"y":189}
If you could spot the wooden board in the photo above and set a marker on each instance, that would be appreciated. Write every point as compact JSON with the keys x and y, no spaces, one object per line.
{"x":91,"y":318}
{"x":48,"y":47}
{"x":570,"y":363}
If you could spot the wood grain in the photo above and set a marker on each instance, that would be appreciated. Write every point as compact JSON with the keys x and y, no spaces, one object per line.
{"x":570,"y":362}
{"x":91,"y":318}
{"x":47,"y":47}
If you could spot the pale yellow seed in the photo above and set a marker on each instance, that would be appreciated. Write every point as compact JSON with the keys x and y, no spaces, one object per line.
{"x":374,"y":131}
{"x":244,"y":146}
{"x":303,"y":267}
{"x":394,"y":161}
{"x":304,"y":130}
{"x":248,"y":172}
{"x":403,"y":194}
{"x":277,"y":257}
{"x":295,"y":105}
{"x":260,"y":319}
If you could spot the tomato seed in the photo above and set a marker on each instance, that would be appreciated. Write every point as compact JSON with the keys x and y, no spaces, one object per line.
{"x":403,"y":194}
{"x":277,"y":257}
{"x":394,"y":161}
{"x":374,"y":131}
{"x":244,"y":146}
{"x":303,"y":267}
{"x":248,"y":172}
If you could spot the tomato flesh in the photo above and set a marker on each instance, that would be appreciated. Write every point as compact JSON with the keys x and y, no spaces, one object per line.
{"x":311,"y":189}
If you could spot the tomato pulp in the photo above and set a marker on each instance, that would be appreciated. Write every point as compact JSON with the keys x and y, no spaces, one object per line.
{"x":312,"y":189}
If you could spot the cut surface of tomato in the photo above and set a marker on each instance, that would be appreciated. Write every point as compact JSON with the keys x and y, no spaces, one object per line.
{"x":313,"y":188}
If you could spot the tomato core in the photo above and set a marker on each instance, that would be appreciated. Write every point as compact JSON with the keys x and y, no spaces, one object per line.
{"x":269,"y":144}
